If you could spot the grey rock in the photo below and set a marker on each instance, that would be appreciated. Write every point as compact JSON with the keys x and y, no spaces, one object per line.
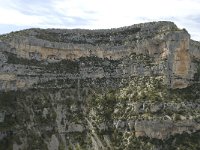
{"x":163,"y":129}
{"x":2,"y":116}
{"x":61,"y":86}
{"x":156,"y":107}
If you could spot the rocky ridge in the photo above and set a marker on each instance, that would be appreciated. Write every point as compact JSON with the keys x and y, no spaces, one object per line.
{"x":134,"y":87}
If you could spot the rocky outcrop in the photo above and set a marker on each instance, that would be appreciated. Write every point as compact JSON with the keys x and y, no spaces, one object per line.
{"x":164,"y":129}
{"x":134,"y":87}
{"x":194,"y":49}
{"x":161,"y":41}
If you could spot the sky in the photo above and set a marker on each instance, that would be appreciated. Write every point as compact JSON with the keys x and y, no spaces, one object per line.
{"x":97,"y":14}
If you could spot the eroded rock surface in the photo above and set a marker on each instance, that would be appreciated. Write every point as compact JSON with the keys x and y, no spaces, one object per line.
{"x":134,"y":87}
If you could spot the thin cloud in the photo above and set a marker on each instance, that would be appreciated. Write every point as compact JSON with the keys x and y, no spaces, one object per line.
{"x":99,"y":13}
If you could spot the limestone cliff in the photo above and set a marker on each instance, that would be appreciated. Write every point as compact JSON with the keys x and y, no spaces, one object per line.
{"x":135,"y":87}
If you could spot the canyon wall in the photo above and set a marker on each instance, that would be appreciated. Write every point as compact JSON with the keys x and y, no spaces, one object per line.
{"x":134,"y":87}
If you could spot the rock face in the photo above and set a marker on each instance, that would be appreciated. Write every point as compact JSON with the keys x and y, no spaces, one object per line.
{"x":181,"y":62}
{"x":164,"y":129}
{"x":99,"y":89}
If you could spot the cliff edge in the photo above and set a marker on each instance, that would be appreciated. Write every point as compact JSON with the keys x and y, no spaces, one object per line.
{"x":135,"y":87}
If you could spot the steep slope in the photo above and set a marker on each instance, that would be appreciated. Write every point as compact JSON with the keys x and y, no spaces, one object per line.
{"x":134,"y":87}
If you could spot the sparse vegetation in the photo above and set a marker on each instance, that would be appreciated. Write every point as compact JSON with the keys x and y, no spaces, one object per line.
{"x":92,"y":102}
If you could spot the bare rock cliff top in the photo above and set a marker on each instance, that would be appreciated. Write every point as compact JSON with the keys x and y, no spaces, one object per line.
{"x":162,"y":41}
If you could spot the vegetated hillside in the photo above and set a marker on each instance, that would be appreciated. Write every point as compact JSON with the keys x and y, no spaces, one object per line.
{"x":134,"y":87}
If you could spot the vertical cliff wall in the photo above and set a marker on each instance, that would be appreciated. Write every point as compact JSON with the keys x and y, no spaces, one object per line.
{"x":134,"y":87}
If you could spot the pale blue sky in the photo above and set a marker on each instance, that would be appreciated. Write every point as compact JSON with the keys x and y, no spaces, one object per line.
{"x":96,"y":14}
